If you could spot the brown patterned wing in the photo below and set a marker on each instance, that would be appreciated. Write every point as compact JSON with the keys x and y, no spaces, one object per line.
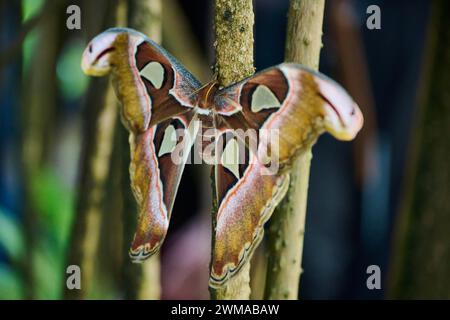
{"x":158,"y":158}
{"x":285,"y":109}
{"x":149,"y":82}
{"x":246,"y":198}
{"x":161,"y":151}
{"x":158,"y":97}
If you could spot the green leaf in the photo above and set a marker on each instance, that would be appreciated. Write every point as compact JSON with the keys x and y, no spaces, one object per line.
{"x":54,"y":202}
{"x":30,"y":8}
{"x":10,"y":284}
{"x":48,"y":273}
{"x":11,"y":237}
{"x":28,"y":49}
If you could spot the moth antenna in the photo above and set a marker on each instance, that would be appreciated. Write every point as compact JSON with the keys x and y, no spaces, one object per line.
{"x":199,"y":89}
{"x":215,"y":76}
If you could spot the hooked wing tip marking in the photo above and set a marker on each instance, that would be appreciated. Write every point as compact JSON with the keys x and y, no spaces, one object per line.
{"x":142,"y":252}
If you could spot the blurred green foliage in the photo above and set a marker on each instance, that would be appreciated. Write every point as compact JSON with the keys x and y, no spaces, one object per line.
{"x":11,"y":286}
{"x":12,"y":243}
{"x":11,"y":239}
{"x":54,"y":207}
{"x":29,"y":9}
{"x":52,"y":200}
{"x":72,"y":82}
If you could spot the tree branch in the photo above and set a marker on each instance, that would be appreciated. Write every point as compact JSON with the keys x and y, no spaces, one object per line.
{"x":287,"y":226}
{"x":234,"y":61}
{"x":421,"y":254}
{"x":101,"y":115}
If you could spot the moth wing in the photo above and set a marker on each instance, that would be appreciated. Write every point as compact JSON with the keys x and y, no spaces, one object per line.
{"x":247,"y":196}
{"x":170,"y":89}
{"x":283,"y":106}
{"x":158,"y":159}
{"x":159,"y":154}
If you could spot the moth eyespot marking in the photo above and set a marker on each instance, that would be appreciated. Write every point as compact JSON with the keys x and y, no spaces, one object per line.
{"x":169,"y":141}
{"x":264,"y":98}
{"x":230,"y":157}
{"x":154,"y":72}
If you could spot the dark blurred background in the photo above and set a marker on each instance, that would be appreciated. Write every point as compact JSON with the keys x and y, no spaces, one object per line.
{"x":355,"y":188}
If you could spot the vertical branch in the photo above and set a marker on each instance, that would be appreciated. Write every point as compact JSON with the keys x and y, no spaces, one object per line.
{"x":141,"y":281}
{"x":101,"y":115}
{"x":39,"y":109}
{"x":304,"y":32}
{"x":287,"y":226}
{"x":145,"y":16}
{"x":234,"y":40}
{"x":94,"y":168}
{"x":234,"y":61}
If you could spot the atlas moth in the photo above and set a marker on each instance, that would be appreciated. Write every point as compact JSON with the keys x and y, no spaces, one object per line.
{"x":160,"y":97}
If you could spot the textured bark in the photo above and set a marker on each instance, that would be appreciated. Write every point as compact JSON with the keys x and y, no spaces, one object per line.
{"x":287,"y":225}
{"x":304,"y":32}
{"x":141,"y":281}
{"x":101,"y":115}
{"x":234,"y":40}
{"x":421,"y":257}
{"x":234,"y":61}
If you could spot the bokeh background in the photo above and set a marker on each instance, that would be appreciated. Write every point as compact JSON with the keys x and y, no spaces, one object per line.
{"x":357,"y":192}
